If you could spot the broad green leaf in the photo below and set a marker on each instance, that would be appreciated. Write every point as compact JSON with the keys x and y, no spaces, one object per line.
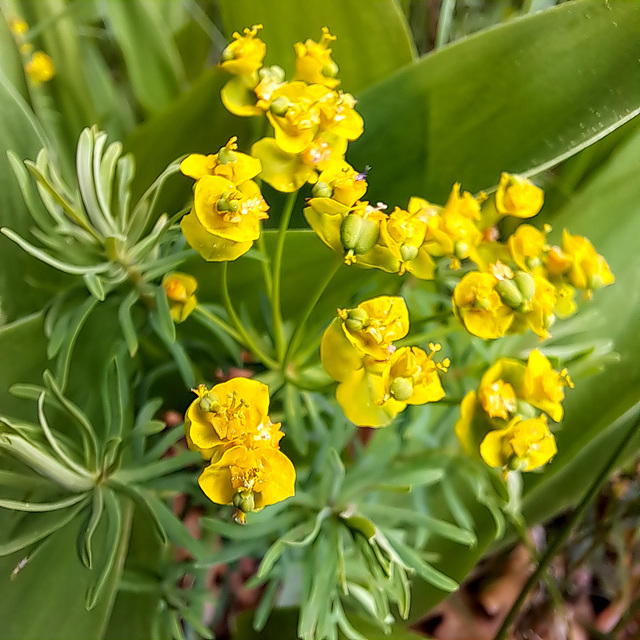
{"x":606,"y":211}
{"x":150,"y":55}
{"x":56,"y":570}
{"x":520,"y":97}
{"x":373,"y":38}
{"x":196,"y":122}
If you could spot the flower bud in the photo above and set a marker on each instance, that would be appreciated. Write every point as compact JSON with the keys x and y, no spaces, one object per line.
{"x":359,"y":234}
{"x":401,"y":389}
{"x":280,"y":106}
{"x":509,"y":293}
{"x":244,"y":501}
{"x":408,"y":252}
{"x":321,"y":190}
{"x":461,"y":249}
{"x":356,"y":319}
{"x":526,"y":284}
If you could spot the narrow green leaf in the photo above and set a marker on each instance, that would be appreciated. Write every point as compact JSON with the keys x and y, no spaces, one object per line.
{"x":174,"y":529}
{"x":163,"y":324}
{"x":110,"y":551}
{"x":94,"y":285}
{"x":266,"y":605}
{"x":36,"y":527}
{"x":97,"y":508}
{"x":126,"y":322}
{"x":158,"y":468}
{"x":295,"y":426}
{"x":40,"y":507}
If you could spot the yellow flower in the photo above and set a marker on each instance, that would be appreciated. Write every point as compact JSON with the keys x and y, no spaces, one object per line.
{"x":498,"y":399}
{"x":516,"y":196}
{"x":479,"y":306}
{"x":464,"y":427}
{"x":245,"y":54}
{"x":557,"y":262}
{"x":338,"y":115}
{"x":240,"y":98}
{"x":543,"y":387}
{"x":230,"y":411}
{"x":589,"y":270}
{"x":313,"y":61}
{"x":228,"y":163}
{"x":18,"y":26}
{"x":363,"y":334}
{"x":295,"y":115}
{"x":523,"y":445}
{"x":404,"y":233}
{"x":352,"y":231}
{"x":537,"y":313}
{"x":373,"y":325}
{"x":40,"y":68}
{"x":179,"y":288}
{"x":452,"y":231}
{"x":225,"y":219}
{"x":249,"y":479}
{"x":287,"y":172}
{"x":527,"y":246}
{"x":411,"y":376}
{"x":565,"y":305}
{"x":342,"y":183}
{"x":364,"y":401}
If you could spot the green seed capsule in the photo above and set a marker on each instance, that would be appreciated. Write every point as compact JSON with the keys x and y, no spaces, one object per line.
{"x":509,"y":293}
{"x":209,"y":402}
{"x":359,"y":234}
{"x":355,"y":319}
{"x":330,"y":70}
{"x":408,"y":252}
{"x":526,"y":284}
{"x":279,"y":106}
{"x":401,"y":389}
{"x":227,"y":55}
{"x":244,"y":501}
{"x":321,"y":190}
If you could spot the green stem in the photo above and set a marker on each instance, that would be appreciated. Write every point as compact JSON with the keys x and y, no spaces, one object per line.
{"x":295,"y":338}
{"x":278,"y":329}
{"x":246,"y":338}
{"x":425,"y":335}
{"x":266,"y":274}
{"x":560,"y":539}
{"x":199,"y":310}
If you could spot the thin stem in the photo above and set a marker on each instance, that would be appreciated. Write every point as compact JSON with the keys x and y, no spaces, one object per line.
{"x":295,"y":338}
{"x":200,"y":310}
{"x":278,"y":329}
{"x":246,"y":338}
{"x":560,"y":539}
{"x":266,"y":273}
{"x":444,"y":22}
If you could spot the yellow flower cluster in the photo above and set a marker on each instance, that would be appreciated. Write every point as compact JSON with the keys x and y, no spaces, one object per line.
{"x":180,"y":289}
{"x":39,"y":67}
{"x":506,"y":420}
{"x":376,"y":381}
{"x":525,"y":283}
{"x":230,"y":426}
{"x":227,"y":204}
{"x":405,"y":240}
{"x":312,"y":121}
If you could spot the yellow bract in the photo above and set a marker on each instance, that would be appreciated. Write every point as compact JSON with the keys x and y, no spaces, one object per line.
{"x":523,"y":445}
{"x":479,"y":306}
{"x":229,"y":425}
{"x":543,"y":387}
{"x":180,"y":289}
{"x":245,"y":54}
{"x":376,"y":381}
{"x":313,"y":61}
{"x":516,"y":196}
{"x":588,"y":270}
